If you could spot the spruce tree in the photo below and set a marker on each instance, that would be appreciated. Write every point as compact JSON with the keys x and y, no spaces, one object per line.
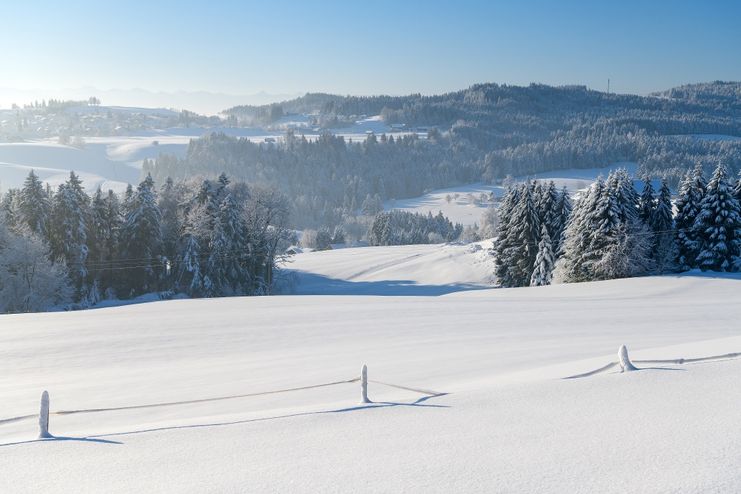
{"x":502,"y":246}
{"x":35,"y":206}
{"x":544,"y":260}
{"x":105,"y":226}
{"x":69,"y":232}
{"x":523,"y":237}
{"x":563,"y":208}
{"x":169,"y":207}
{"x":647,"y":201}
{"x":719,"y":225}
{"x":662,"y":225}
{"x":691,"y":192}
{"x":141,"y":238}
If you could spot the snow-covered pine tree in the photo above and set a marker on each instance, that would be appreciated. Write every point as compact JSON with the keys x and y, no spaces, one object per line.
{"x":548,"y":208}
{"x":34,"y":206}
{"x":544,"y":260}
{"x":225,"y":265}
{"x":628,"y":199}
{"x":570,"y":267}
{"x":189,"y":266}
{"x":691,"y":191}
{"x":737,"y":188}
{"x":647,"y":201}
{"x":105,"y":227}
{"x":141,"y":238}
{"x":502,"y":247}
{"x":523,"y":237}
{"x":719,"y":225}
{"x":69,"y":232}
{"x":664,"y":234}
{"x":169,"y":207}
{"x":563,"y":209}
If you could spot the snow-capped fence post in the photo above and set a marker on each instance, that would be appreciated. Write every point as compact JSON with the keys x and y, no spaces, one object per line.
{"x":364,"y":385}
{"x":624,"y":360}
{"x":44,"y":416}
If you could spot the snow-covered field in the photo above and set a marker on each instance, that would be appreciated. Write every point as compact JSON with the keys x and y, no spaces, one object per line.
{"x":508,"y":423}
{"x":466,"y":203}
{"x":395,"y":270}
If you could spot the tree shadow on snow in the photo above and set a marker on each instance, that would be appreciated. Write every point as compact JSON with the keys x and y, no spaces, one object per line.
{"x":316,"y":284}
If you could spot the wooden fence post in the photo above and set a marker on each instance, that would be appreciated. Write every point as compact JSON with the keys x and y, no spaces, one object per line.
{"x":364,"y":385}
{"x":44,"y":417}
{"x":625,"y":363}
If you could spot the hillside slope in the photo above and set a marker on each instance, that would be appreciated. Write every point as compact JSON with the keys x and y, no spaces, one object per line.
{"x":507,"y":424}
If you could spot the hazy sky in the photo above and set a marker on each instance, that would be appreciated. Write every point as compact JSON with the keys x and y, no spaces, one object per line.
{"x":366,"y":47}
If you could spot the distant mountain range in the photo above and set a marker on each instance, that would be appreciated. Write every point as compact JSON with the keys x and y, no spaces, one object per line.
{"x":203,"y":102}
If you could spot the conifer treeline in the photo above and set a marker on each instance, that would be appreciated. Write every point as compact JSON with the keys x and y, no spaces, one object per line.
{"x":204,"y":238}
{"x":615,"y":232}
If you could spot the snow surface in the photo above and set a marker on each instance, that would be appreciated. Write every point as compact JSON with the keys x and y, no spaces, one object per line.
{"x":507,"y":424}
{"x":393,"y":270}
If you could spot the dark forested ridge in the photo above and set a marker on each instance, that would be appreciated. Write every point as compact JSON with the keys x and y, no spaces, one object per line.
{"x":485,"y":132}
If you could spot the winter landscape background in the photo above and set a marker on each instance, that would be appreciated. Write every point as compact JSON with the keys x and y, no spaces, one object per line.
{"x":314,"y":256}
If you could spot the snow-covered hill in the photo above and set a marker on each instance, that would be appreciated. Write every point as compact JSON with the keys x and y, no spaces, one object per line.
{"x":507,"y":424}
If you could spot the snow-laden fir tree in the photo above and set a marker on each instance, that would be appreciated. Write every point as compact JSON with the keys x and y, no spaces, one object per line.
{"x":563,"y":209}
{"x":737,"y":188}
{"x":647,"y":201}
{"x":602,"y":241}
{"x":719,"y":225}
{"x":544,"y":260}
{"x":502,"y":244}
{"x":189,"y":278}
{"x":224,"y":272}
{"x":105,"y":228}
{"x":664,"y":234}
{"x":35,"y":205}
{"x":691,"y":191}
{"x":547,"y":203}
{"x":571,"y":266}
{"x":169,"y":207}
{"x":69,"y":232}
{"x":523,"y":236}
{"x":627,"y":197}
{"x":141,"y":237}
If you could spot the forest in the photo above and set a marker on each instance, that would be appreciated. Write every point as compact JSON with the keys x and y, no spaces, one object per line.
{"x":484,"y":133}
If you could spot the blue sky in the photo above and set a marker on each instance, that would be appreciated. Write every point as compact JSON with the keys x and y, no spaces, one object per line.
{"x":366,"y":47}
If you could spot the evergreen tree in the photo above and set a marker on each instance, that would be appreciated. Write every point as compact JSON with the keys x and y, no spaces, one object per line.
{"x":502,"y":246}
{"x":69,"y":232}
{"x":189,"y":266}
{"x":141,"y":238}
{"x":523,"y":236}
{"x":544,"y":261}
{"x":105,"y":226}
{"x":169,"y":207}
{"x":662,"y":225}
{"x":563,"y":209}
{"x":691,"y":193}
{"x":719,"y":225}
{"x":647,"y":202}
{"x":35,"y":206}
